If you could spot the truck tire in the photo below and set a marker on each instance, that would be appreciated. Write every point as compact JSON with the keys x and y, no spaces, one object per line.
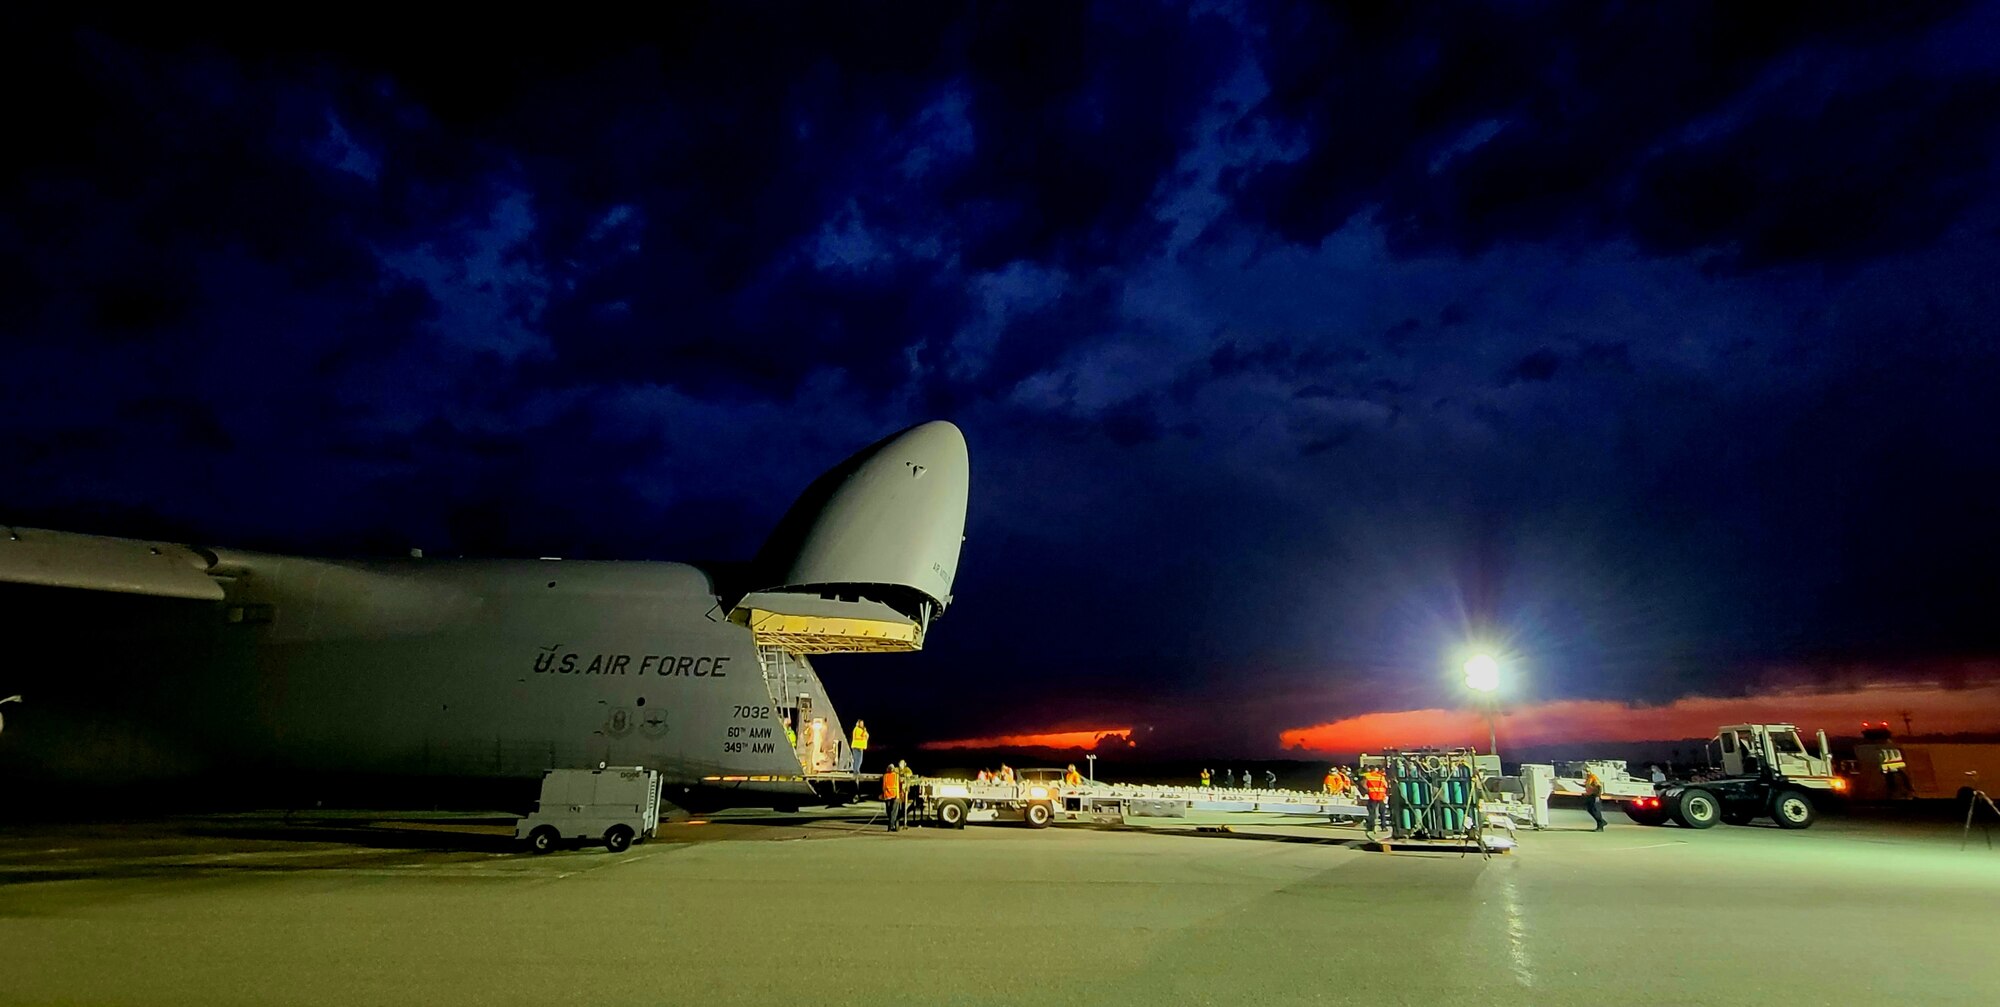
{"x":1039,"y":815}
{"x":1698,"y":809}
{"x":1793,"y":809}
{"x":543,"y":839}
{"x":617,"y":838}
{"x":951,"y":814}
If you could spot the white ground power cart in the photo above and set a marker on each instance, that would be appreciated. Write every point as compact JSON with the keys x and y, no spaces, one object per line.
{"x":615,"y":805}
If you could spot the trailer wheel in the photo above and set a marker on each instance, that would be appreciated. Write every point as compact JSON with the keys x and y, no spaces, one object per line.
{"x":951,"y":814}
{"x":1654,"y":815}
{"x":1039,"y":815}
{"x":1792,"y":809}
{"x":617,"y":838}
{"x":1698,"y":809}
{"x":543,"y":839}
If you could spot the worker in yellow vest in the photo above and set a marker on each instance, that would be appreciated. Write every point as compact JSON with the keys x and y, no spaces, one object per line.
{"x":1895,"y":774}
{"x":906,"y":778}
{"x":1072,"y":778}
{"x":860,"y":744}
{"x":892,"y":795}
{"x":1204,"y":778}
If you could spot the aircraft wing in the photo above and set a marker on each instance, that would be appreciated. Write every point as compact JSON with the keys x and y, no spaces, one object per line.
{"x":99,"y":563}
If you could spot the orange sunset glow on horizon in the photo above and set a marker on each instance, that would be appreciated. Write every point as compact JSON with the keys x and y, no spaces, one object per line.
{"x":1933,"y":710}
{"x":1086,"y":740}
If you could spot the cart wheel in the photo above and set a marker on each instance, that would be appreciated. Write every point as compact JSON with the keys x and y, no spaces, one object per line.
{"x":951,"y":814}
{"x":617,"y":838}
{"x":1039,"y":815}
{"x":543,"y":839}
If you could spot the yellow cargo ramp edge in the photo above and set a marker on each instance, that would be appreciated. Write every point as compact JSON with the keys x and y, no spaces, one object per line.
{"x":828,"y":634}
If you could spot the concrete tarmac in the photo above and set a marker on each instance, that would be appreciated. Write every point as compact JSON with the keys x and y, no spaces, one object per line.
{"x":821,"y":908}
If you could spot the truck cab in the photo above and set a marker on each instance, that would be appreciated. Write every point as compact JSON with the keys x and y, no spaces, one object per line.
{"x":1758,"y":764}
{"x":1751,"y":749}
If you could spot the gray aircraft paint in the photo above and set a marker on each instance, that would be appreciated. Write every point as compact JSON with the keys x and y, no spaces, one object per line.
{"x":474,"y":668}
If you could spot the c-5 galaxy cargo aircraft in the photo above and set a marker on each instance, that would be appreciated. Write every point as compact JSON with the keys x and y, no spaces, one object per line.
{"x":194,"y":661}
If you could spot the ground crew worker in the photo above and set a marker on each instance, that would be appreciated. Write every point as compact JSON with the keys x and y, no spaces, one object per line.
{"x":1006,"y":773}
{"x":1270,"y":779}
{"x":892,"y":793}
{"x":1343,"y":780}
{"x":1895,"y":777}
{"x":1229,"y":777}
{"x":1593,"y":798}
{"x":1072,"y":778}
{"x":1204,"y":777}
{"x":906,"y":779}
{"x":1331,"y":783}
{"x":859,"y":744}
{"x":985,"y":776}
{"x":1376,"y":785}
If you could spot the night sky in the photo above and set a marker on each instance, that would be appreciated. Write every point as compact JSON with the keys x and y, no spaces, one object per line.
{"x":1656,"y":347}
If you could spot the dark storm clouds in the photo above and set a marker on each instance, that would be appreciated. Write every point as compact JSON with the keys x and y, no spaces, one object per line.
{"x":1291,"y":347}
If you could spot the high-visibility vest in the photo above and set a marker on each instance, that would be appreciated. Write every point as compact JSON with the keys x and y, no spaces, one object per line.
{"x":1330,"y":783}
{"x":1592,"y":786}
{"x":890,"y":790}
{"x":860,"y":739}
{"x":1377,"y":784}
{"x":1073,"y":778}
{"x":1892,"y":760}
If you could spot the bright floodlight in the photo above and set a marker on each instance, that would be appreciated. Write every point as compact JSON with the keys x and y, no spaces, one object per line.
{"x":1482,"y":673}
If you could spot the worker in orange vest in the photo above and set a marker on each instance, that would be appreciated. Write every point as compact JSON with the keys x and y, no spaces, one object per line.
{"x":1072,"y":778}
{"x":1330,"y":784}
{"x":1593,"y":798}
{"x":1376,"y":785}
{"x":892,"y":795}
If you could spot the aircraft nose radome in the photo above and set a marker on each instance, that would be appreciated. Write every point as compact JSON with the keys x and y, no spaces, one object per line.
{"x":939,"y":446}
{"x":892,"y":516}
{"x":936,"y":433}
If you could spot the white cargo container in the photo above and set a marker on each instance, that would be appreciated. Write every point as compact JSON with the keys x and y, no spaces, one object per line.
{"x":617,"y":805}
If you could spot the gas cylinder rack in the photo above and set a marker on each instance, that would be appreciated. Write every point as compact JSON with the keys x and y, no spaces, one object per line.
{"x":1433,"y":797}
